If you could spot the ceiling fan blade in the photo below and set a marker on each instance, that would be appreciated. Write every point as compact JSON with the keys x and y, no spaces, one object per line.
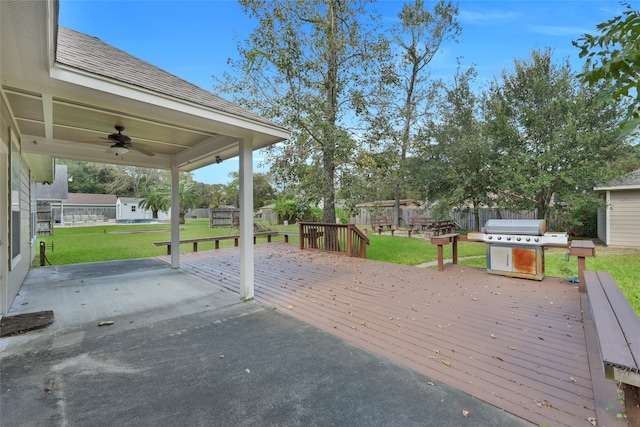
{"x":143,"y":151}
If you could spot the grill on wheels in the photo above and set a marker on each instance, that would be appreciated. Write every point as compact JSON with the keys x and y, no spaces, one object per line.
{"x":515,"y":247}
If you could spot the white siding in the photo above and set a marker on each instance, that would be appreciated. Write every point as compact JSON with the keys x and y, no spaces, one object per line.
{"x":625,"y":219}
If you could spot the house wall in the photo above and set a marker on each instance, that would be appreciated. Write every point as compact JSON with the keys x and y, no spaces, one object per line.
{"x":602,"y":220}
{"x":16,"y":202}
{"x":624,"y":220}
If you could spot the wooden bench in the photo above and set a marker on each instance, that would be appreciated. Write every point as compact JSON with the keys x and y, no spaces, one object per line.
{"x":443,"y":227}
{"x":380,"y":224}
{"x":421,"y":223}
{"x":235,"y":238}
{"x":445,"y":239}
{"x":617,"y":329}
{"x":402,"y":230}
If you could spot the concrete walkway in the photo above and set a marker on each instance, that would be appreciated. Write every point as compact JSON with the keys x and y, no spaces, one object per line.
{"x":182,"y":351}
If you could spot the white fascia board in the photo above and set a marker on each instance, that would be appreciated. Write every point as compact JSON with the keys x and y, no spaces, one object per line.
{"x":618,"y":188}
{"x":234,"y":125}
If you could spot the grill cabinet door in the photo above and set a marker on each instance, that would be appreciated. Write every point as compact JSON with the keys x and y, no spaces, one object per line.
{"x":500,"y":258}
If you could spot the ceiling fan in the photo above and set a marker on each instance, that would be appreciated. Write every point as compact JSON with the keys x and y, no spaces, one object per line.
{"x":122,"y":143}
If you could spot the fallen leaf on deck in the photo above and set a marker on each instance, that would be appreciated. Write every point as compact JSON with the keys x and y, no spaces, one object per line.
{"x":446,"y":362}
{"x":465,"y":413}
{"x":106,"y":323}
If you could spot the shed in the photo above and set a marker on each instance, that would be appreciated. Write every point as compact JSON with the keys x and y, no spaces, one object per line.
{"x":619,"y":217}
{"x":128,"y":210}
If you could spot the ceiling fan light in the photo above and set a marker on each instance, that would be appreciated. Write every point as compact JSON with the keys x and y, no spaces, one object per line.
{"x":119,"y":149}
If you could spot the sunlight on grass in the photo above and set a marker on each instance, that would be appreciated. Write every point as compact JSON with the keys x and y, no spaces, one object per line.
{"x":623,"y":269}
{"x":74,"y":245}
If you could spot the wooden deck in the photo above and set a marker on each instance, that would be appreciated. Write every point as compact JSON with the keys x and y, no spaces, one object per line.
{"x":517,"y":344}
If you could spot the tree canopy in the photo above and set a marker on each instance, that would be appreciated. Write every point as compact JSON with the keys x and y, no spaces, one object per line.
{"x":312,"y":65}
{"x":613,"y":57}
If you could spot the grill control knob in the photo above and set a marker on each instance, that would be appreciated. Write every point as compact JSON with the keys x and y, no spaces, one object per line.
{"x":536,"y":240}
{"x":518,"y":238}
{"x":528,"y":239}
{"x":508,"y":238}
{"x":490,"y":237}
{"x":499,"y":237}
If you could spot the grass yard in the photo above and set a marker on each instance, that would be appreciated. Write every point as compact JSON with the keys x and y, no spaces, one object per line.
{"x":623,"y":267}
{"x":73,"y":245}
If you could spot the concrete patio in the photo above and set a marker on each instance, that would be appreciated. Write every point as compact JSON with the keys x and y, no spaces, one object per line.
{"x":185,"y":351}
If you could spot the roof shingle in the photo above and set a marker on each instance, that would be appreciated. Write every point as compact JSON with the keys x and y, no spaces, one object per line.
{"x":91,"y":54}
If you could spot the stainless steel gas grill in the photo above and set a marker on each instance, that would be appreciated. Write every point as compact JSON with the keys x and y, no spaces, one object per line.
{"x":515,"y":247}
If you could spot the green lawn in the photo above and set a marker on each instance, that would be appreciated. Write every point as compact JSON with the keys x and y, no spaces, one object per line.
{"x":74,"y":245}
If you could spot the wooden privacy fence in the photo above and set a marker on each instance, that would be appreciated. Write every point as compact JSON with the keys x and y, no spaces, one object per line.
{"x":345,"y":239}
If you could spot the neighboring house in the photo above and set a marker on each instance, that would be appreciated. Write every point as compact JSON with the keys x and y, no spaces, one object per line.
{"x":48,"y":195}
{"x":268,"y":214}
{"x":128,"y":210}
{"x":62,"y":93}
{"x":82,"y":208}
{"x":619,"y":218}
{"x":384,"y":209}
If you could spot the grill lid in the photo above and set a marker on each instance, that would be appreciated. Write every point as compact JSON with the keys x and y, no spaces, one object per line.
{"x":532,"y":227}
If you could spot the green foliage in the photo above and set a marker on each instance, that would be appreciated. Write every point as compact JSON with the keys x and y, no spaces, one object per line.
{"x":613,"y":61}
{"x":311,"y":65}
{"x":552,"y":140}
{"x":157,"y":200}
{"x":453,"y":160}
{"x":88,"y":177}
{"x":263,"y":191}
{"x":344,"y":215}
{"x":287,"y":209}
{"x":404,"y":103}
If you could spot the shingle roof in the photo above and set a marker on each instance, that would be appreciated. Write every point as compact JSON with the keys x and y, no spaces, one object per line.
{"x":91,"y":54}
{"x":58,"y":189}
{"x":632,"y":178}
{"x":85,"y":199}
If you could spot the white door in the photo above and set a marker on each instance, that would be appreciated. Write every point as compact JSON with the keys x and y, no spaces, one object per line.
{"x":500,"y":257}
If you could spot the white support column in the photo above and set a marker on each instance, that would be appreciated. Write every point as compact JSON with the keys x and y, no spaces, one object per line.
{"x":246,"y":220}
{"x":175,"y":217}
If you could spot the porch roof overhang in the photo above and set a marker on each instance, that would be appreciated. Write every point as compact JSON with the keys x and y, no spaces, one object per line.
{"x":67,"y":91}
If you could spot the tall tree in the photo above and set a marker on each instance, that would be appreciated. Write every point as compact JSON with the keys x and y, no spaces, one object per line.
{"x":310,"y":64}
{"x":418,"y":38}
{"x":453,"y":160}
{"x":613,"y":57}
{"x":554,"y":140}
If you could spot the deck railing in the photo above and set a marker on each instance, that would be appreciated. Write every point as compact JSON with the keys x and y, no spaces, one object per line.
{"x":340,"y":238}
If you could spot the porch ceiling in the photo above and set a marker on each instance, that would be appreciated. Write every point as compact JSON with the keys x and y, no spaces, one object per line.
{"x":66,"y":92}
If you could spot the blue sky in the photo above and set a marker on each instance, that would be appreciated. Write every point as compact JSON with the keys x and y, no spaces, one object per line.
{"x":193,"y":39}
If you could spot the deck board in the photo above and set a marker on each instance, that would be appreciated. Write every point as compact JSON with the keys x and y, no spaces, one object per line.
{"x":517,"y":344}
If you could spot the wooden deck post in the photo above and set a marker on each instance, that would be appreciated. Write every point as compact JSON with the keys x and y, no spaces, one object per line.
{"x":582,"y":249}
